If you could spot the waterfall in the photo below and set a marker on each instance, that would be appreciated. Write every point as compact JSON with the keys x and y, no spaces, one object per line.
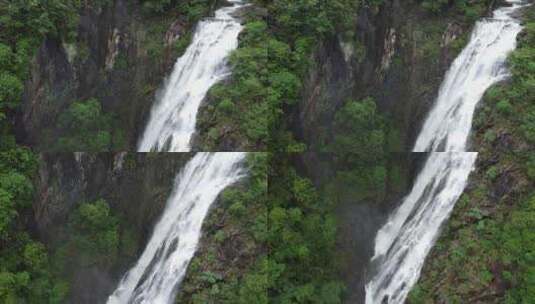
{"x":174,"y":115}
{"x":155,"y":277}
{"x":403,"y":243}
{"x":480,"y":65}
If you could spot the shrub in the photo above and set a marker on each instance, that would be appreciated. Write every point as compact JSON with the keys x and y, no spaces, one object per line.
{"x":226,"y":106}
{"x":492,"y":173}
{"x":10,"y":90}
{"x":84,"y":128}
{"x":504,"y":107}
{"x":93,"y":236}
{"x":6,"y":57}
{"x":489,"y":136}
{"x":528,"y":126}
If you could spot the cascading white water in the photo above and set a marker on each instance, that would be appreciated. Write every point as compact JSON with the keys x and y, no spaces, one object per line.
{"x":174,"y":116}
{"x":155,"y":277}
{"x":403,"y":243}
{"x":480,"y":65}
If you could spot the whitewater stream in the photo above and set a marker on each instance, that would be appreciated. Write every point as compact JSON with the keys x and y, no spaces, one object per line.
{"x":155,"y":278}
{"x":174,"y":115}
{"x":403,"y":243}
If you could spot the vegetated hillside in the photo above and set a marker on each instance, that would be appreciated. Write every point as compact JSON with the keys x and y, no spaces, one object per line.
{"x":485,"y":254}
{"x":231,"y":262}
{"x":329,"y":76}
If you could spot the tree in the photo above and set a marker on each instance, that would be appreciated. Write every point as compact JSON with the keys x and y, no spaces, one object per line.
{"x":85,"y":128}
{"x":93,"y":235}
{"x":10,"y":90}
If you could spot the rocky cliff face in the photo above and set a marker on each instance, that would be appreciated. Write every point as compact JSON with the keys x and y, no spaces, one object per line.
{"x":120,"y":57}
{"x":397,"y":54}
{"x":135,"y":185}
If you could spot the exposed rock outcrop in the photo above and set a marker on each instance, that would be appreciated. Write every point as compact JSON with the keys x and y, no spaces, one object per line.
{"x":120,"y":57}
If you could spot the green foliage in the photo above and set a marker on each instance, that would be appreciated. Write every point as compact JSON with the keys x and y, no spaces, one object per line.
{"x":7,"y":212}
{"x":489,"y":136}
{"x":25,"y":272}
{"x":193,"y":10}
{"x":268,"y":68}
{"x":530,"y":168}
{"x":255,"y":285}
{"x":517,"y":248}
{"x":242,"y":221}
{"x":360,"y":129}
{"x":466,"y":8}
{"x":514,"y":101}
{"x":6,"y":57}
{"x":15,"y":191}
{"x":504,"y":107}
{"x":301,"y":239}
{"x":23,"y":18}
{"x":360,"y":132}
{"x":305,"y":17}
{"x":182,"y":44}
{"x":528,"y":126}
{"x":434,"y":6}
{"x":157,"y":6}
{"x":241,"y":106}
{"x":492,"y":173}
{"x":93,"y":237}
{"x":10,"y":90}
{"x":85,"y":128}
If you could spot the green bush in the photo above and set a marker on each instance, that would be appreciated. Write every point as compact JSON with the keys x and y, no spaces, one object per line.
{"x":469,"y":9}
{"x":530,"y":167}
{"x":360,"y":129}
{"x":25,"y":272}
{"x":528,"y":126}
{"x":84,"y":128}
{"x":489,"y":136}
{"x":504,"y":107}
{"x":226,"y":106}
{"x":492,"y":173}
{"x":6,"y":57}
{"x":517,"y":248}
{"x":301,"y":239}
{"x":10,"y":90}
{"x":93,"y":237}
{"x":58,"y":18}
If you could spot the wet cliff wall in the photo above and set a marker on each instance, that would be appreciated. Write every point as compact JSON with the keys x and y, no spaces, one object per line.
{"x":120,"y":57}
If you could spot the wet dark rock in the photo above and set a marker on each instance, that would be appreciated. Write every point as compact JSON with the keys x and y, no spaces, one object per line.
{"x":175,"y":31}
